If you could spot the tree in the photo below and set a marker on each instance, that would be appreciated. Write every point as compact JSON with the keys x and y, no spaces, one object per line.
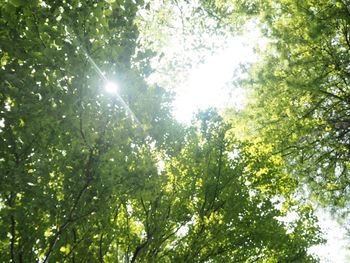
{"x":228,"y":207}
{"x":81,"y":171}
{"x":300,"y":104}
{"x":68,"y":150}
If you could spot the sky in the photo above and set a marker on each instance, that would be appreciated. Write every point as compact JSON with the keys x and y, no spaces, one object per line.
{"x":208,"y":84}
{"x":211,"y":83}
{"x":335,"y":250}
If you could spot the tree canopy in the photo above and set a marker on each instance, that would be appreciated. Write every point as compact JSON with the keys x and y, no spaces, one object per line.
{"x":300,"y":101}
{"x":88,"y":176}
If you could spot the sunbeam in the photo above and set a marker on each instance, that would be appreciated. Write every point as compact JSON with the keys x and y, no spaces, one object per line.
{"x":111,"y":87}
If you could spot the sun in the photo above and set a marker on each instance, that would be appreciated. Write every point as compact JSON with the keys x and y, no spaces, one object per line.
{"x":111,"y":87}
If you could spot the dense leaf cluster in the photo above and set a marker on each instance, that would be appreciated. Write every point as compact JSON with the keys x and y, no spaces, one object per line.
{"x":307,"y":86}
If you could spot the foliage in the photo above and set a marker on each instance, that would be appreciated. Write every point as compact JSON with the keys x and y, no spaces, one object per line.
{"x":82,"y":177}
{"x":229,"y":212}
{"x":69,"y":152}
{"x":183,"y":34}
{"x":301,"y":101}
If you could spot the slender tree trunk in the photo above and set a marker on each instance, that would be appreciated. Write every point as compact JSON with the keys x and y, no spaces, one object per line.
{"x":12,"y":228}
{"x":13,"y":238}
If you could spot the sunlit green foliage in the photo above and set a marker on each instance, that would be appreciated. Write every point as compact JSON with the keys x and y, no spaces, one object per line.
{"x":301,"y":90}
{"x":69,"y":152}
{"x":84,"y":181}
{"x":229,"y":212}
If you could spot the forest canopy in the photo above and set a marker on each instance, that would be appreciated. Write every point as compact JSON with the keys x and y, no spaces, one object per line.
{"x":89,"y":176}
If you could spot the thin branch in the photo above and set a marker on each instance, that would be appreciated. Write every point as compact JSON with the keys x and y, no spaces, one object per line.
{"x":100,"y":248}
{"x":66,"y":224}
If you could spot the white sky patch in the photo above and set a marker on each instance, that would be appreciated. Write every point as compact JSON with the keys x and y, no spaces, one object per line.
{"x":183,"y":230}
{"x":336,"y":249}
{"x":160,"y":165}
{"x":210,"y":84}
{"x":205,"y":86}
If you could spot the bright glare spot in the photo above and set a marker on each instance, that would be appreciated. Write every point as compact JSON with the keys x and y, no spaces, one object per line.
{"x":211,"y":83}
{"x":111,"y":87}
